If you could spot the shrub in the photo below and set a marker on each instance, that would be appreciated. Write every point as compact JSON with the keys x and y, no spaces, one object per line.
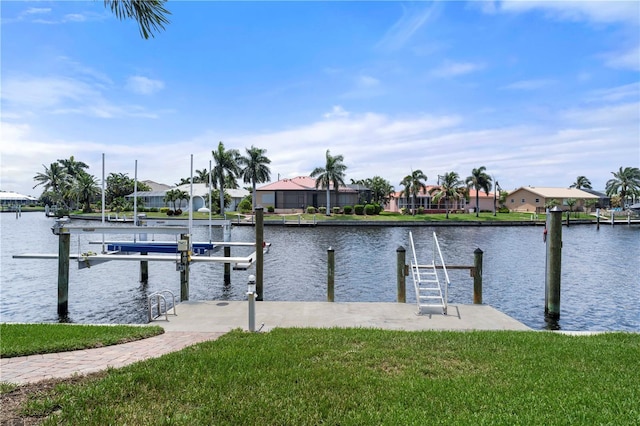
{"x":336,"y":210}
{"x":245,"y":206}
{"x":164,"y":209}
{"x":404,"y":211}
{"x":359,"y":209}
{"x":169,"y":212}
{"x":322,"y":210}
{"x":270,"y":209}
{"x":178,"y":212}
{"x":311,"y":209}
{"x":378,"y":208}
{"x":503,"y":210}
{"x":370,"y":210}
{"x":420,"y":210}
{"x":347,"y":209}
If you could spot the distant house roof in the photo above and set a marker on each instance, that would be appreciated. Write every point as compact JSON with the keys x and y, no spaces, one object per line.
{"x":300,"y":183}
{"x":546,"y":192}
{"x":155,"y":186}
{"x":202,"y":190}
{"x":199,"y":190}
{"x":8,"y":196}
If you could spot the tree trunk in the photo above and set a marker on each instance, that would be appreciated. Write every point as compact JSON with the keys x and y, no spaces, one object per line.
{"x":221,"y":180}
{"x":328,"y":201}
{"x":253,"y":195}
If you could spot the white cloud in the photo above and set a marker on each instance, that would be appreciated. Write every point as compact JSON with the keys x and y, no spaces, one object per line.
{"x":616,"y":94}
{"x":74,"y":17}
{"x":533,"y":84}
{"x":367,"y":81}
{"x":588,"y":141}
{"x":591,"y":11}
{"x":412,"y":19}
{"x":452,"y":69}
{"x":144,"y":85}
{"x":65,"y":95}
{"x":365,"y":86}
{"x":336,"y":112}
{"x":628,"y":59}
{"x":37,"y":11}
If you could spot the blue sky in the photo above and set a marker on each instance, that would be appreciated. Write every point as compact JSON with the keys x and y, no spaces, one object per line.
{"x":537,"y":92}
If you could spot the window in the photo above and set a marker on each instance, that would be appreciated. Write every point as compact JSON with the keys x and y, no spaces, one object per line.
{"x":537,"y":200}
{"x":523,"y":201}
{"x":512,"y":201}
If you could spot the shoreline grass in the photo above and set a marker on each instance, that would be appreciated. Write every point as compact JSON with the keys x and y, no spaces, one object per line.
{"x":30,"y":339}
{"x":365,"y":376}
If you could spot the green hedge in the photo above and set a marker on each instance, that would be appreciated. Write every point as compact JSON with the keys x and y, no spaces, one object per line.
{"x":347,"y":209}
{"x":359,"y":209}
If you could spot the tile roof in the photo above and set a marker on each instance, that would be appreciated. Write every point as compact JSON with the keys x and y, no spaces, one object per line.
{"x":547,"y":192}
{"x":299,"y":183}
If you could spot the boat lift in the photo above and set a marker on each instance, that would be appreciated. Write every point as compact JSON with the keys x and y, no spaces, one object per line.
{"x":182,"y":252}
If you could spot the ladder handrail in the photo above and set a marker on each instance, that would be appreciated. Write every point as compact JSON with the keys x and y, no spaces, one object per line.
{"x":436,"y":245}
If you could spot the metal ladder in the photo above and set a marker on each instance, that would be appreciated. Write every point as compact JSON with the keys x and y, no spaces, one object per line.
{"x":160,"y":302}
{"x":426,"y":282}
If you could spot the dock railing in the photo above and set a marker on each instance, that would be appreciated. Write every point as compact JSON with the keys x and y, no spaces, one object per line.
{"x":436,"y":248}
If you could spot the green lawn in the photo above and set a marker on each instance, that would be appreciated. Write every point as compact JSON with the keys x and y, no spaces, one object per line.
{"x":363,"y":377}
{"x":28,"y":339}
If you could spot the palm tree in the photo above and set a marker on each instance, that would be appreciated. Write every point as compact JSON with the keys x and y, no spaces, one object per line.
{"x":451,"y":188}
{"x":202,"y":176}
{"x":86,"y":189}
{"x":479,"y":180}
{"x":581,"y":182}
{"x":255,"y":169}
{"x":625,"y":182}
{"x":175,"y":195}
{"x":54,"y":180}
{"x":381,"y":190}
{"x":226,"y":167}
{"x":150,"y":14}
{"x":73,"y":167}
{"x":331,"y":173}
{"x":413,"y":184}
{"x":182,"y":195}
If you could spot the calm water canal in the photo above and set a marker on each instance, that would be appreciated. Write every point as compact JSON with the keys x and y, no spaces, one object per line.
{"x":600,"y":271}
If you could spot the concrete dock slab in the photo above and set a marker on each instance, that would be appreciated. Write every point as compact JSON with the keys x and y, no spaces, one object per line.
{"x":223,"y":316}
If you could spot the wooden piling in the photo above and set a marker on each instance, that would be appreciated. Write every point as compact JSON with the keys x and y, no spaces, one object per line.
{"x":477,"y":276}
{"x":554,"y":265}
{"x":144,"y":269}
{"x":64,"y":244}
{"x":227,"y":266}
{"x":331,"y":271}
{"x":184,"y":269}
{"x":597,"y":218}
{"x":401,"y":255}
{"x":259,"y":212}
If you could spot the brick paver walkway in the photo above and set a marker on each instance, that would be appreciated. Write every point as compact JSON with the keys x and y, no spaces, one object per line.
{"x":33,"y":368}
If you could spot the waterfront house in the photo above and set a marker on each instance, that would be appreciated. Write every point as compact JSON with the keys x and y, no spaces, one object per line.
{"x":425,"y":200}
{"x":534,"y":199}
{"x":9,"y":200}
{"x":155,"y":198}
{"x":297,"y":193}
